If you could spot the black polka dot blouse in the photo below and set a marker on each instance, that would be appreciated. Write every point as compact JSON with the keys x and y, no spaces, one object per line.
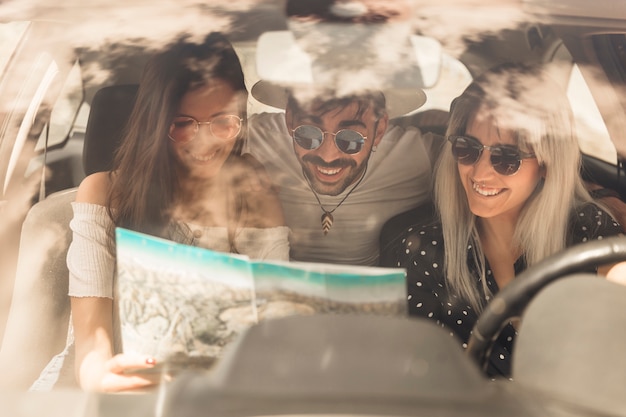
{"x":422,"y":254}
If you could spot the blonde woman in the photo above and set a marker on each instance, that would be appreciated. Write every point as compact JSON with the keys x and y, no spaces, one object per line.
{"x":508,"y":193}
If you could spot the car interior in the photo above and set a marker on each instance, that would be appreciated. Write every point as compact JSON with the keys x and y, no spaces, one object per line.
{"x":72,"y":125}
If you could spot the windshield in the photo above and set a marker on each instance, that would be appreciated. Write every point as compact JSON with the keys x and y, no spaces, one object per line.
{"x":177,"y":174}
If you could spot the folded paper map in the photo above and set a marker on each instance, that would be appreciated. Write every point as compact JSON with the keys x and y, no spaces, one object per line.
{"x":183,"y":304}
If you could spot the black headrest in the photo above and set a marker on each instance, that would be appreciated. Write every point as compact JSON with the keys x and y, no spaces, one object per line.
{"x":110,"y":110}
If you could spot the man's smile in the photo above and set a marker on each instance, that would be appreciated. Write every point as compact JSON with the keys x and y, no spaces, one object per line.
{"x":329,"y":171}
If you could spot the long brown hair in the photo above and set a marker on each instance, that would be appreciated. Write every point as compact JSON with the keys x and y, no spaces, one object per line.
{"x":145,"y":184}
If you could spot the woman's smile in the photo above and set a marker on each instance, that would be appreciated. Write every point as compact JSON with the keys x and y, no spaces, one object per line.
{"x":207,"y":157}
{"x":485,"y":191}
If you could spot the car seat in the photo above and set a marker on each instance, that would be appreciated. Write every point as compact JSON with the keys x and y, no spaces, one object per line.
{"x":570,"y":347}
{"x":37,"y":323}
{"x":336,"y":364}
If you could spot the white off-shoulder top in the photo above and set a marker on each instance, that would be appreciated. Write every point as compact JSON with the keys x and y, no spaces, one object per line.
{"x":91,"y":257}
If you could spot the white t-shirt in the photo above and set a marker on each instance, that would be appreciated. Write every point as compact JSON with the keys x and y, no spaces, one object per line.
{"x":398,"y":178}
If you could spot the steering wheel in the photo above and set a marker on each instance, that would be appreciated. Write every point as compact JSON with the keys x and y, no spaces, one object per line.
{"x":513,"y":299}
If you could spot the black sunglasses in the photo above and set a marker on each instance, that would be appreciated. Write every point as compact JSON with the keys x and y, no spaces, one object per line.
{"x":311,"y":137}
{"x":505,"y":159}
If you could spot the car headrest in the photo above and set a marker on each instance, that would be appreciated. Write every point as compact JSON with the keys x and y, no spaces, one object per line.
{"x":332,"y":364}
{"x":571,"y":344}
{"x":110,"y":110}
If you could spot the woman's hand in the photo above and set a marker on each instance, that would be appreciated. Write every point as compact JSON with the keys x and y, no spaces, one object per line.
{"x":617,"y":273}
{"x":122,"y":372}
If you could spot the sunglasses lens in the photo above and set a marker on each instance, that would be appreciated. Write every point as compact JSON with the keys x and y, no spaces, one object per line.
{"x":308,"y":137}
{"x":183,"y":129}
{"x":465,"y":151}
{"x":349,"y":141}
{"x":506,"y":160}
{"x":226,"y":127}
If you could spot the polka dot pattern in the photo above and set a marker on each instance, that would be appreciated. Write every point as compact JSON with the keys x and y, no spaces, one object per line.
{"x":422,"y":255}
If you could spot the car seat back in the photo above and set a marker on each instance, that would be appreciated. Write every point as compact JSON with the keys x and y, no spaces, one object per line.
{"x":334,"y":364}
{"x":109,"y":113}
{"x":571,"y":345}
{"x":38,"y":318}
{"x":37,"y":322}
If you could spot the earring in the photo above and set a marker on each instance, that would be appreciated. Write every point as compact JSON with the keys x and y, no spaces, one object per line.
{"x":374,"y":148}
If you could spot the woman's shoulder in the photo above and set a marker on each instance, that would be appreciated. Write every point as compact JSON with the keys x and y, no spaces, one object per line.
{"x":590,"y":221}
{"x":430,"y":228}
{"x":422,"y":237}
{"x":591,"y":212}
{"x":94,"y":188}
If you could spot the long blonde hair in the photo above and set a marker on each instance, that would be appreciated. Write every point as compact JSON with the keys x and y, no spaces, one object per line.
{"x":526,"y":102}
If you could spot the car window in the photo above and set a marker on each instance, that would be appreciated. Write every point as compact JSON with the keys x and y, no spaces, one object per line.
{"x":27,"y":104}
{"x":11,"y":34}
{"x":247,"y":56}
{"x":64,"y":111}
{"x":594,"y":137}
{"x":610,"y":49}
{"x":453,"y":78}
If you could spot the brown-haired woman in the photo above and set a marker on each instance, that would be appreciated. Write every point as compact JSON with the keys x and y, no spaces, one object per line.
{"x":179,"y":174}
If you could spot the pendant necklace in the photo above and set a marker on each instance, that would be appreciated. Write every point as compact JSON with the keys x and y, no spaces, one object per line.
{"x":327,"y":215}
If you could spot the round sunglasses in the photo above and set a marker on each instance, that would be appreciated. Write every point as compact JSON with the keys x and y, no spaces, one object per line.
{"x":185,"y":129}
{"x":505,"y":159}
{"x":311,"y":137}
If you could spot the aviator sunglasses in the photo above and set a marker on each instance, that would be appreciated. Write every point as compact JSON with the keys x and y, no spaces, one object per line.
{"x":185,"y":129}
{"x":311,"y":137}
{"x":505,"y":159}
